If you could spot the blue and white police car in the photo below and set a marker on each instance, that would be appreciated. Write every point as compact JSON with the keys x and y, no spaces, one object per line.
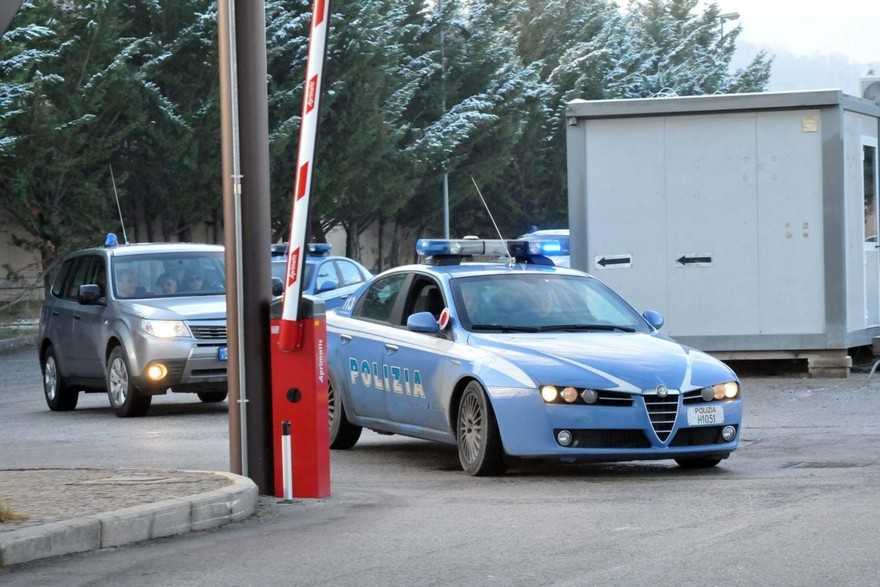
{"x":521,"y":359}
{"x":328,"y":278}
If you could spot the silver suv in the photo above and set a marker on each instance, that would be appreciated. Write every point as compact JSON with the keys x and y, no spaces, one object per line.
{"x":135,"y":321}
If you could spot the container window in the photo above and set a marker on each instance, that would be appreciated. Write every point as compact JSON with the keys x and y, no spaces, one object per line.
{"x":869,"y":165}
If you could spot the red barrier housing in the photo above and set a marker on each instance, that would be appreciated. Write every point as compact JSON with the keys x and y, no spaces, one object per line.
{"x":299,"y":395}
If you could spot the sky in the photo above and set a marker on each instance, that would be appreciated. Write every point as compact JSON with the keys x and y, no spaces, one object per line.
{"x":805,"y":27}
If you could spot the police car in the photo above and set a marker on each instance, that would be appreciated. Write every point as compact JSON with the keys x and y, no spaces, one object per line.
{"x":553,"y":243}
{"x":330,"y":279}
{"x":525,"y":359}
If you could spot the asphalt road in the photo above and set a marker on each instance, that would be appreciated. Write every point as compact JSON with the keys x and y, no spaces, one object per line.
{"x":798,"y":504}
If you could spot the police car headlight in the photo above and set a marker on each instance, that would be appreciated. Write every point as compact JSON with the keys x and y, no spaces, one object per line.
{"x":549,"y":393}
{"x":166,"y":328}
{"x":729,"y":390}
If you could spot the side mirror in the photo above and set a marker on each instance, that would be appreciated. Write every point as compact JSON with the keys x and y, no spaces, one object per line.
{"x":327,"y":286}
{"x":655,"y":319}
{"x":422,"y":322}
{"x":277,"y":287}
{"x":89,"y":294}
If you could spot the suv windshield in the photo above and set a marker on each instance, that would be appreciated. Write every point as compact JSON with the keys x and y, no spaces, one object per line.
{"x":168,"y":275}
{"x":542,"y":303}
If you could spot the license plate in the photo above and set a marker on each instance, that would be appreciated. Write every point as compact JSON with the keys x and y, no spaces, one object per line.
{"x":223,"y":354}
{"x":705,"y":416}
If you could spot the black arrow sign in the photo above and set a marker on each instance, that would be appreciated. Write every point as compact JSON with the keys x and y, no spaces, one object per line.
{"x":605,"y":262}
{"x":683,"y":260}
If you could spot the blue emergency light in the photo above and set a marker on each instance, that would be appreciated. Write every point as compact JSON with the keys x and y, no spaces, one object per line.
{"x":111,"y":241}
{"x":551,"y":247}
{"x":319,"y":249}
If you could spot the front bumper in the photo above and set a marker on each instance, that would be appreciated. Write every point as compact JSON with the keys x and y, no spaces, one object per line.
{"x":193,"y":365}
{"x":528,"y":429}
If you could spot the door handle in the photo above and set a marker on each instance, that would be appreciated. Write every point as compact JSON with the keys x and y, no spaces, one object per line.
{"x":54,"y":312}
{"x":76,"y":316}
{"x":391,"y":348}
{"x":345,"y":338}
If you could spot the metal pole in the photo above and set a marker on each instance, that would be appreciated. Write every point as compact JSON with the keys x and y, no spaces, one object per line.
{"x":443,"y":97}
{"x":248,"y":232}
{"x":231,"y":211}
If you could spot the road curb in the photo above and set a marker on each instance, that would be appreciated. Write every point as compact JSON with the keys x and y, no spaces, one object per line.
{"x":172,"y":517}
{"x":13,"y":344}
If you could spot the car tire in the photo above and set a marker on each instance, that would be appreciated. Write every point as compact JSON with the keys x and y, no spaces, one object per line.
{"x":212,"y":397}
{"x":60,"y":397}
{"x":125,"y":398}
{"x":479,"y":442}
{"x":698,"y":463}
{"x":343,"y":434}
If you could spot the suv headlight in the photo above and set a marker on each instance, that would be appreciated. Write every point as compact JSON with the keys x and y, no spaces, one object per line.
{"x":729,"y":390}
{"x":166,"y":328}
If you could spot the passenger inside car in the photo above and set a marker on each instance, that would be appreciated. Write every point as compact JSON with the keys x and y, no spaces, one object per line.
{"x":127,"y":284}
{"x":166,"y":284}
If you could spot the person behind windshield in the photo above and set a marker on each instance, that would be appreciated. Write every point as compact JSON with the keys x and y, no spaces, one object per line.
{"x":167,"y":284}
{"x":126,"y":284}
{"x":194,"y":281}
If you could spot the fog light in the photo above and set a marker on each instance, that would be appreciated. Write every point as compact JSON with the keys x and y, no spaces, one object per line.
{"x":570,"y":394}
{"x":590,"y":396}
{"x":564,"y":437}
{"x":549,"y":393}
{"x":728,"y":433}
{"x":157,"y":372}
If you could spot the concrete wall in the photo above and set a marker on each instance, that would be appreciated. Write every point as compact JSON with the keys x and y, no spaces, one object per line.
{"x":20,"y":269}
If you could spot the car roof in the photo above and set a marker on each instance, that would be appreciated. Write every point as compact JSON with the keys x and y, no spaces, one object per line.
{"x":552,"y":232}
{"x":486,"y":268}
{"x":153,"y":248}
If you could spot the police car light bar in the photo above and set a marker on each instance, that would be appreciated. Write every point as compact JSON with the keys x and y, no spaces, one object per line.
{"x":477,"y":248}
{"x":550,"y":247}
{"x":319,"y":249}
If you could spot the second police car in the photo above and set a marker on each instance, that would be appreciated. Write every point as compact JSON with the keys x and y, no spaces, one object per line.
{"x":328,"y":278}
{"x":525,"y":359}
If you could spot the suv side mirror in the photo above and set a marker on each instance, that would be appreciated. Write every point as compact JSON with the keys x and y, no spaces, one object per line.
{"x":655,"y":319}
{"x":327,"y":286}
{"x":89,"y":294}
{"x":422,"y":322}
{"x":277,"y":287}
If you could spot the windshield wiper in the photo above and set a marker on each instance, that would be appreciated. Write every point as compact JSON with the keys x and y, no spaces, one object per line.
{"x":587,"y":328}
{"x":502,"y":328}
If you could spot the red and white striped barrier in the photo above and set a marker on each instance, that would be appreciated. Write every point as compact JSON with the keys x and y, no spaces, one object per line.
{"x":290,"y":328}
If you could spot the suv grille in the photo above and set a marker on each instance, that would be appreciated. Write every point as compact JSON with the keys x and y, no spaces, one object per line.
{"x":662,"y":412}
{"x":213,"y":332}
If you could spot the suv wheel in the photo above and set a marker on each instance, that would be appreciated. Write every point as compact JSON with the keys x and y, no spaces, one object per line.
{"x":125,"y":398}
{"x":212,"y":397}
{"x":59,"y":396}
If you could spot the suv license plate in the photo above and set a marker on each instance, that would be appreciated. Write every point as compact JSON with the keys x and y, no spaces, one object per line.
{"x":705,"y":416}
{"x":223,"y":354}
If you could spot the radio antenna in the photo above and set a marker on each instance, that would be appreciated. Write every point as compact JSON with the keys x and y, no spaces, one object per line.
{"x":492,"y":218}
{"x":118,"y":207}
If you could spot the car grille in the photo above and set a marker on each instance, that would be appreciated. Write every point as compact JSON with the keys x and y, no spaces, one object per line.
{"x":697,"y":436}
{"x":208,"y":332}
{"x":693,"y":397}
{"x":613,"y":398}
{"x":662,"y":412}
{"x":609,"y":439}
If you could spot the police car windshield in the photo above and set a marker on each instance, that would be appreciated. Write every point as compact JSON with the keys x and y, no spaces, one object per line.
{"x":168,"y":275}
{"x":279,"y":268}
{"x":519,"y":302}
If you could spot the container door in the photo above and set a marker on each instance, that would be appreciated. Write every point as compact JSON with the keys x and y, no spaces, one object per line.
{"x":872,"y":229}
{"x":712,"y":251}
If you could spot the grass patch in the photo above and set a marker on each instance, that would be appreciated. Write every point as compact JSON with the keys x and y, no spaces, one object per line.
{"x":7,"y":515}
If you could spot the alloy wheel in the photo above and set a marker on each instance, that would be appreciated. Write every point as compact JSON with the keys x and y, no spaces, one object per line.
{"x":118,"y":382}
{"x":50,"y":378}
{"x":471,"y":425}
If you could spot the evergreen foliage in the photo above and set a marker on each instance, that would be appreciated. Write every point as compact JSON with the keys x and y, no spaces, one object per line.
{"x":87,"y":83}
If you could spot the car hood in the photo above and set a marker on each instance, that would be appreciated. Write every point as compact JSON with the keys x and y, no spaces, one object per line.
{"x":630,"y":362}
{"x":187,"y":308}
